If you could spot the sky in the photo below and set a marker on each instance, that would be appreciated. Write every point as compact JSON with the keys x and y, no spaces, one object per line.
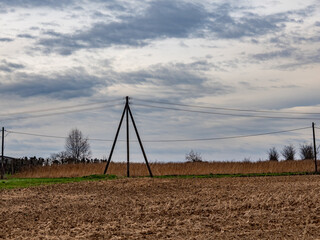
{"x":70,"y":64}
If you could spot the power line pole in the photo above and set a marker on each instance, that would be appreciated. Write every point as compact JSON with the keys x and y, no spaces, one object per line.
{"x":128,"y":152}
{"x":128,"y":112}
{"x":314,"y":149}
{"x":2,"y":154}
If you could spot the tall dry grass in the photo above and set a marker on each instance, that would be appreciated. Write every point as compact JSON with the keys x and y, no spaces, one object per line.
{"x":160,"y":169}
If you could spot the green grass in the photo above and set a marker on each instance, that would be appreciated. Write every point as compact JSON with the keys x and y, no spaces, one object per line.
{"x":30,"y":182}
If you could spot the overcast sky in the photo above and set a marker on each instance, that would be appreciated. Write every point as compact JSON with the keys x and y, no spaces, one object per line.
{"x":256,"y":55}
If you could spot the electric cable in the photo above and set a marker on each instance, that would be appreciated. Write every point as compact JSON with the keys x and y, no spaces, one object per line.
{"x":58,"y":108}
{"x":227,"y":114}
{"x":170,"y":140}
{"x":224,"y":108}
{"x":59,"y":113}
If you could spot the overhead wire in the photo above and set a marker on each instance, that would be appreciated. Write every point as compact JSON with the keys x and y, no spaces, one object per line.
{"x":59,"y":113}
{"x":224,"y":108}
{"x":58,"y":108}
{"x":227,"y":114}
{"x":170,"y":140}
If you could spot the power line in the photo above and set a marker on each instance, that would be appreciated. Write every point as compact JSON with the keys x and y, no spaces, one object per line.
{"x":169,"y":140}
{"x":230,"y":137}
{"x":59,"y":113}
{"x":51,"y":136}
{"x":227,"y":114}
{"x":224,"y":108}
{"x":34,"y":134}
{"x":58,"y":108}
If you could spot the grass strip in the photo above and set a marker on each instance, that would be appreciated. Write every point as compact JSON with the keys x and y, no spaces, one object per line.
{"x":30,"y":182}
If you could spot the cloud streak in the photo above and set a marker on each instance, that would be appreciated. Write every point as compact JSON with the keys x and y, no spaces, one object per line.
{"x":10,"y":66}
{"x":72,"y":84}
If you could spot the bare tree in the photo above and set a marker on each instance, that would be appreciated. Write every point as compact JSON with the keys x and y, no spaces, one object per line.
{"x":273,"y":154}
{"x":77,"y":146}
{"x":306,"y":151}
{"x":193,"y":157}
{"x":288,"y":152}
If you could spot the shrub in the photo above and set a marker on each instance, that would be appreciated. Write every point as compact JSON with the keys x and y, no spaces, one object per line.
{"x":288,"y":152}
{"x":273,"y":154}
{"x":306,"y":151}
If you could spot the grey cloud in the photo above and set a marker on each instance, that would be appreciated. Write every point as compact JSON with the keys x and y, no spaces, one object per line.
{"x":71,"y":84}
{"x":35,"y":3}
{"x":274,"y":54}
{"x":166,"y":19}
{"x":9,"y":66}
{"x":183,"y":79}
{"x":162,"y":19}
{"x":6,"y":39}
{"x":252,"y":25}
{"x":25,"y":36}
{"x":317,"y":24}
{"x":301,"y":59}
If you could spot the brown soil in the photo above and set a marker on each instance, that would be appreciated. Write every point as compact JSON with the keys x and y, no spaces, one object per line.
{"x":229,"y":208}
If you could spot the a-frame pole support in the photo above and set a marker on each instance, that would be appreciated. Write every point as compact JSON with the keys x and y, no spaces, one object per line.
{"x":128,"y":112}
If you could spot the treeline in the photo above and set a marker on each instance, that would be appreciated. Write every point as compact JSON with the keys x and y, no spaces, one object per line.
{"x":15,"y":165}
{"x":289,"y":152}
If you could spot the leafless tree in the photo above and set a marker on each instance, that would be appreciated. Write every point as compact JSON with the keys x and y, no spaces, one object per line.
{"x":306,"y":151}
{"x":288,"y":152}
{"x":193,"y":157}
{"x":77,"y":146}
{"x":273,"y":154}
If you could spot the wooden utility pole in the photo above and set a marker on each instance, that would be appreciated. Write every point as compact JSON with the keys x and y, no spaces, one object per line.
{"x":128,"y":152}
{"x":2,"y":153}
{"x":128,"y":112}
{"x":314,"y":149}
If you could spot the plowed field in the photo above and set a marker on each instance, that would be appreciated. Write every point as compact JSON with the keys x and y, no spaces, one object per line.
{"x":143,"y":208}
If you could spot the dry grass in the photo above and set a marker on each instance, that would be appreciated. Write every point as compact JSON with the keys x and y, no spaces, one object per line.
{"x":144,"y":208}
{"x":160,"y":169}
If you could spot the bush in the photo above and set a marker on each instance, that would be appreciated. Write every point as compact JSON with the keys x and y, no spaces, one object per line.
{"x":273,"y":154}
{"x":193,"y":157}
{"x":306,"y":151}
{"x":288,"y":152}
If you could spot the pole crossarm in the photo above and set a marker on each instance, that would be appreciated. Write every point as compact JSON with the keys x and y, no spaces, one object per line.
{"x":128,"y":112}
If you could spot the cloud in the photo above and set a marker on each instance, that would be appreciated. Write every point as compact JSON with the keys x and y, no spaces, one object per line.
{"x":301,"y":59}
{"x":274,"y":54}
{"x":6,"y":39}
{"x":168,"y":19}
{"x":173,"y":80}
{"x":72,"y":84}
{"x":162,"y":19}
{"x":35,"y":3}
{"x":25,"y":36}
{"x":9,"y":66}
{"x":226,"y":26}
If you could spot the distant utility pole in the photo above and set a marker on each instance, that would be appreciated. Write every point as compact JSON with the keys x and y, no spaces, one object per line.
{"x":128,"y":113}
{"x":2,"y":153}
{"x":314,"y":149}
